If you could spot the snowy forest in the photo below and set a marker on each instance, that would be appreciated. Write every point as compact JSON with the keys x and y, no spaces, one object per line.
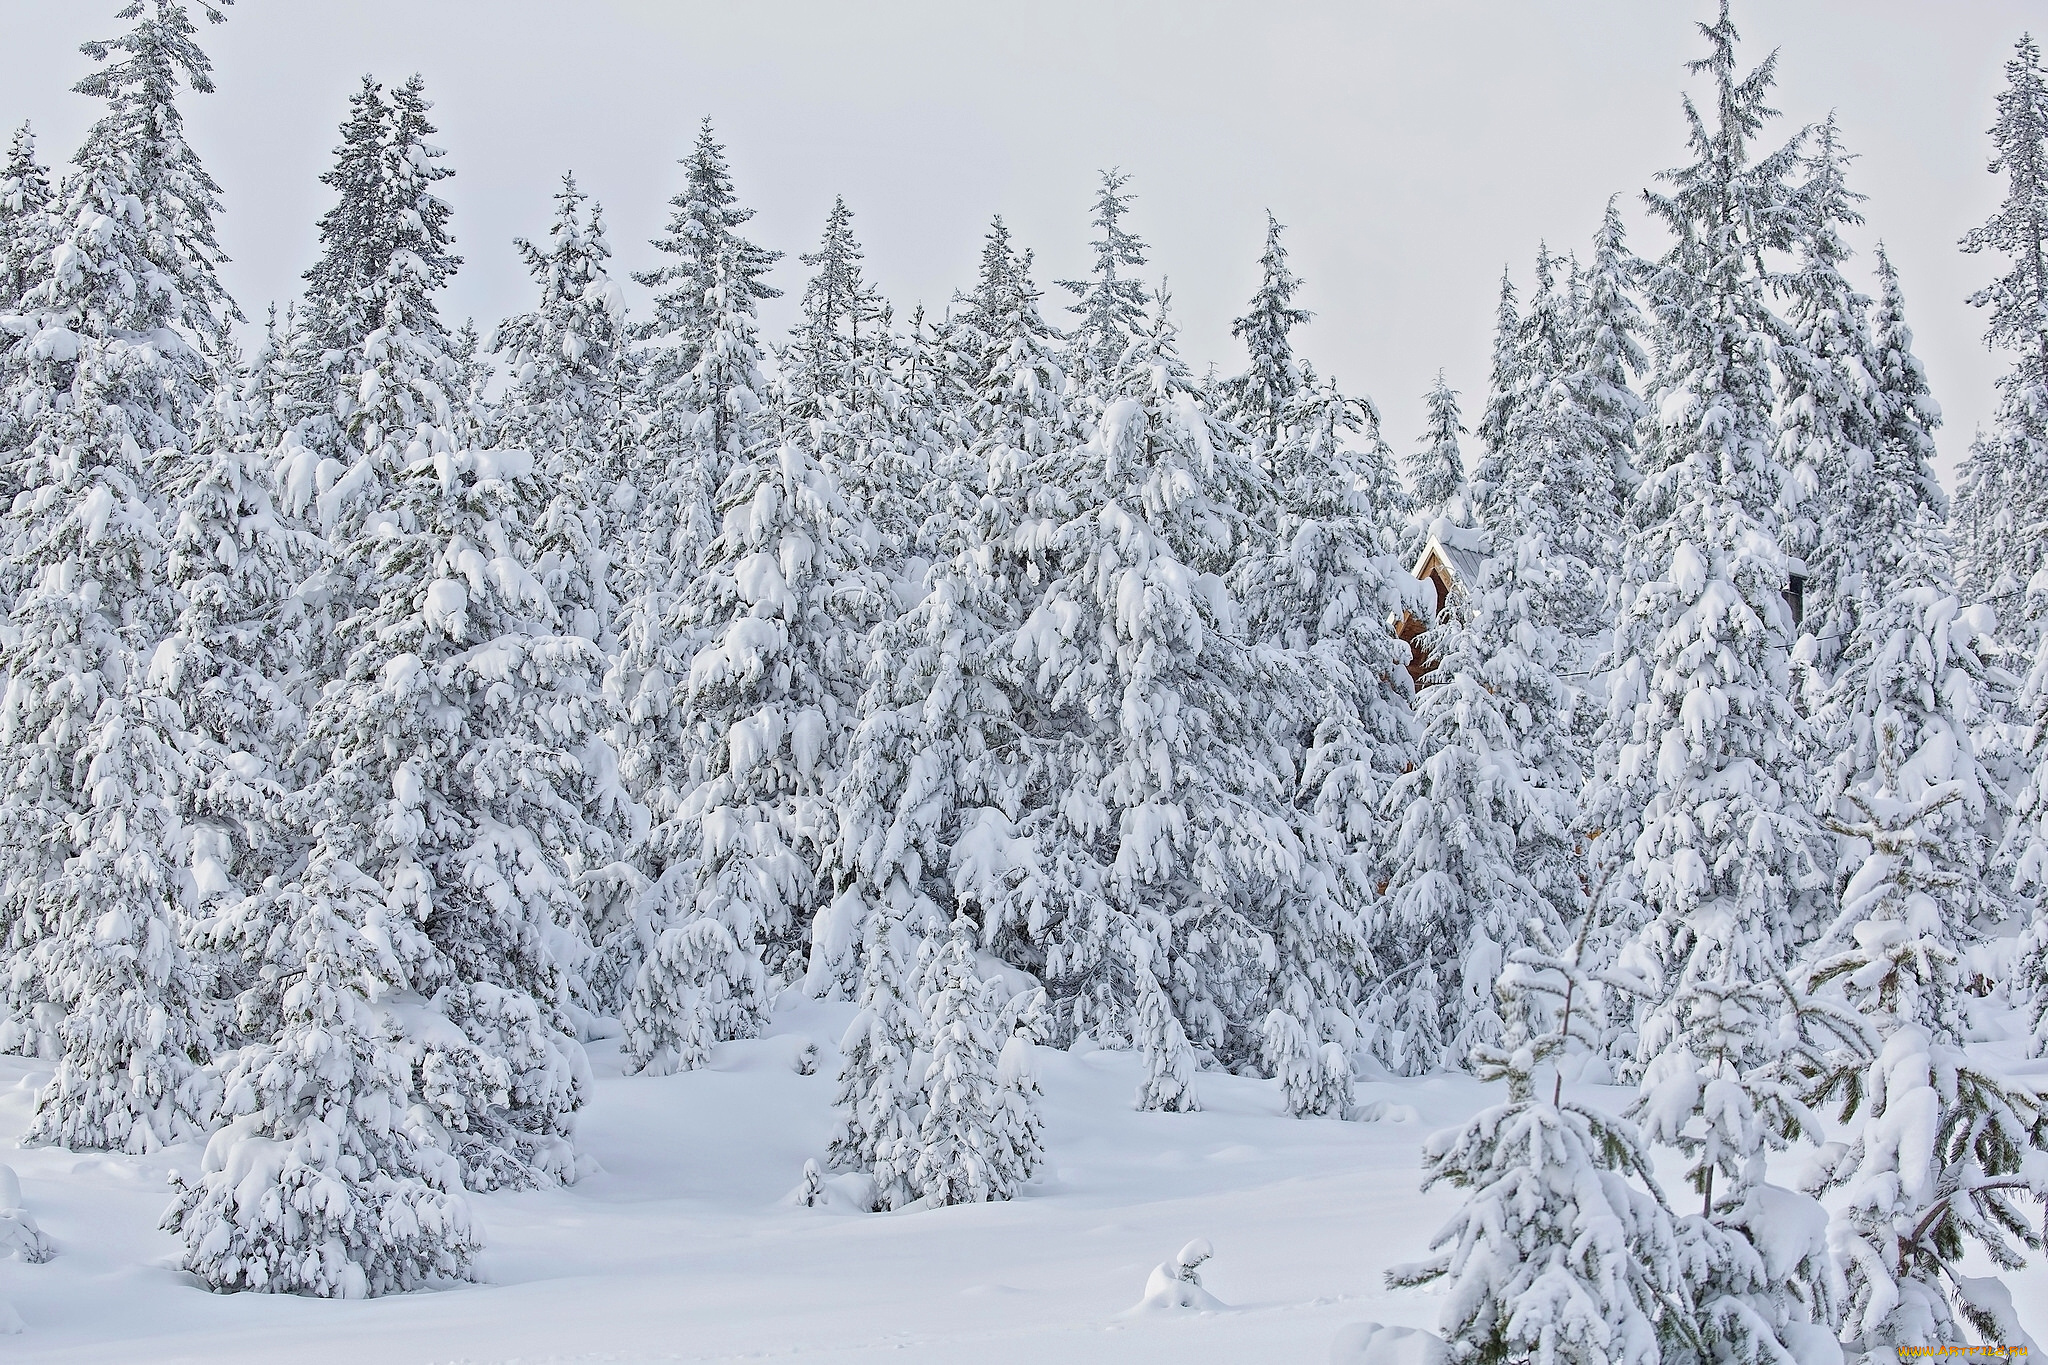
{"x":399,"y":715}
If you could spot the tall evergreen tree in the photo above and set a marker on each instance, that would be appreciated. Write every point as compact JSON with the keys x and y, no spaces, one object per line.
{"x":1257,"y":399}
{"x":1599,"y":410}
{"x":569,"y":403}
{"x":1484,"y":849}
{"x":120,"y":347}
{"x":1826,"y":419}
{"x":711,"y":268}
{"x":763,"y":720}
{"x":1436,"y":468}
{"x":1140,"y":681}
{"x":1702,"y":754}
{"x":2006,"y":477}
{"x":1699,"y":704}
{"x":841,"y":313}
{"x":24,"y":225}
{"x":1322,"y":598}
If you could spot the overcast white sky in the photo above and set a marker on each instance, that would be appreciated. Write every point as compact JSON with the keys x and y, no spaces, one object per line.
{"x":1412,"y":148}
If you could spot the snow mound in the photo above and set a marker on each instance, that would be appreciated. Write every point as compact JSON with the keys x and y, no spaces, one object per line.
{"x":19,"y":1235}
{"x":1368,"y":1343}
{"x":1384,"y":1111}
{"x":10,"y":1321}
{"x":853,"y":1193}
{"x":1175,"y":1285}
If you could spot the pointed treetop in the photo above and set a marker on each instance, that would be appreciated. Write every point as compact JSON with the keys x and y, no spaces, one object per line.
{"x":138,"y":147}
{"x":1437,"y":467}
{"x":1111,"y":306}
{"x":2018,"y":300}
{"x":1273,"y":375}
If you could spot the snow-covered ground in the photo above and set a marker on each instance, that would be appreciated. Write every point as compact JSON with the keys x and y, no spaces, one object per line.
{"x":683,"y":1246}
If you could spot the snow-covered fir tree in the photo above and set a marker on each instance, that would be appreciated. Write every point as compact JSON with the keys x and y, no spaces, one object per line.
{"x":710,"y":268}
{"x":1257,"y":400}
{"x":1139,"y":681}
{"x":113,"y":355}
{"x":24,"y":223}
{"x":1314,"y":1081}
{"x":1168,"y":1085}
{"x":237,"y":659}
{"x":1826,"y":419}
{"x":774,"y":619}
{"x":1483,"y":854}
{"x":2002,"y":505}
{"x":1700,"y":708}
{"x":978,"y":1140}
{"x":569,"y":404}
{"x":463,"y":779}
{"x":1110,"y":305}
{"x":1946,"y":1154}
{"x":702,"y":396}
{"x":1706,"y":785}
{"x":841,"y":313}
{"x":324,"y":1182}
{"x":1597,"y":408}
{"x":1537,"y":477}
{"x":881,"y":1087}
{"x":1322,"y":598}
{"x":1563,"y":1249}
{"x":1436,"y":467}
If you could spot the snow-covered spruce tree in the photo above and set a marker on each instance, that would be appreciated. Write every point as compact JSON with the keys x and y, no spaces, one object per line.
{"x":1826,"y":419}
{"x":1918,"y":676}
{"x":1563,"y":1250}
{"x":1541,"y":480}
{"x":1483,"y":855}
{"x":458,"y":783}
{"x":1314,"y":1081}
{"x":326,"y":1182}
{"x":568,"y":404}
{"x":701,"y":387}
{"x":941,"y":763}
{"x":2003,"y":509}
{"x":774,"y":617}
{"x":839,"y":374}
{"x":1017,"y":412}
{"x":1110,"y":306}
{"x":1597,"y":409}
{"x":1322,"y":601}
{"x":841,"y":312}
{"x":236,"y":657}
{"x":881,"y":1088}
{"x":1436,"y":467}
{"x":1706,"y":747}
{"x":1946,"y":1153}
{"x":112,"y":357}
{"x":1700,"y":713}
{"x":373,"y":357}
{"x":24,"y":220}
{"x":1160,"y":810}
{"x":1256,"y":401}
{"x":461,"y":766}
{"x":1504,"y":378}
{"x":25,"y":235}
{"x":701,"y":395}
{"x":973,"y":1144}
{"x":708,"y":260}
{"x":696,"y":987}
